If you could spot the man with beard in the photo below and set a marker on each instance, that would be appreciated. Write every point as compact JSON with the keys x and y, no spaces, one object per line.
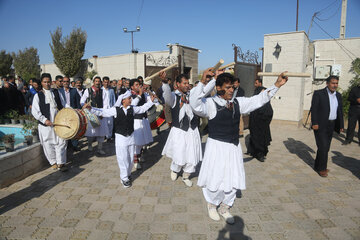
{"x":95,"y":96}
{"x":109,"y":101}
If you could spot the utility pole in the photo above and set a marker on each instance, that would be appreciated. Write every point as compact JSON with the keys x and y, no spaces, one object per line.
{"x":343,"y":19}
{"x":297,"y":14}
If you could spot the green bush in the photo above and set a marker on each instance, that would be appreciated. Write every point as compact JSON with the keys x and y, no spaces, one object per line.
{"x":355,"y":68}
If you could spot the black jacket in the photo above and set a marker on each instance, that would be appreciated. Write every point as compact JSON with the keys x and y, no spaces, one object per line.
{"x":320,"y":110}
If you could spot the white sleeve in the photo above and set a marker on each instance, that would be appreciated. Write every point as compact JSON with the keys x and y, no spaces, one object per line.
{"x":248,"y":105}
{"x":108,"y":112}
{"x":209,"y":87}
{"x":84,"y":97}
{"x":35,"y":110}
{"x":168,"y":96}
{"x":198,"y":100}
{"x":143,"y":108}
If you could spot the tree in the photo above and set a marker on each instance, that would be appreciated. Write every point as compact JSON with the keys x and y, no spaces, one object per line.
{"x":26,"y":63}
{"x":5,"y":63}
{"x":69,"y":50}
{"x":90,"y":74}
{"x":355,"y":69}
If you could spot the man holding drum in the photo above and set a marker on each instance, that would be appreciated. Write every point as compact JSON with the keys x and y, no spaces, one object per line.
{"x":222,"y":170}
{"x":45,"y":106}
{"x":124,"y":132}
{"x":95,"y":96}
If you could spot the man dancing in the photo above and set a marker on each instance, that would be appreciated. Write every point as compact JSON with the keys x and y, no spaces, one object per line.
{"x":124,"y":132}
{"x":183,"y":144}
{"x":222,"y":170}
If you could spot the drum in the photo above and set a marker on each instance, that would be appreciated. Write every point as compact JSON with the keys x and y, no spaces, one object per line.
{"x":70,"y":123}
{"x":92,"y":118}
{"x":156,"y":118}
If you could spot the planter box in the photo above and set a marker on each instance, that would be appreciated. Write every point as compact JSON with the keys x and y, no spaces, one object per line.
{"x":17,"y":165}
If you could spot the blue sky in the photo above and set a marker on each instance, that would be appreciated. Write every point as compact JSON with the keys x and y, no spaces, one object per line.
{"x":212,"y":26}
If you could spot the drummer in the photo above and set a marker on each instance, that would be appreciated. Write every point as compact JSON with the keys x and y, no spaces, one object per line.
{"x":96,"y":96}
{"x":45,"y":106}
{"x":124,"y":132}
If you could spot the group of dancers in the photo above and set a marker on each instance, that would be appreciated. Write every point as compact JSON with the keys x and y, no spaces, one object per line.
{"x":222,"y":170}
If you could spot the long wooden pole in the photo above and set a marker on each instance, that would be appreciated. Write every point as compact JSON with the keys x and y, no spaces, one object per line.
{"x":217,"y":65}
{"x":162,"y":70}
{"x":289,"y":74}
{"x":227,"y":65}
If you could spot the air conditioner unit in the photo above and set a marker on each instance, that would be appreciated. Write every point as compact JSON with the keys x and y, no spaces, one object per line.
{"x":336,"y":70}
{"x":322,"y":72}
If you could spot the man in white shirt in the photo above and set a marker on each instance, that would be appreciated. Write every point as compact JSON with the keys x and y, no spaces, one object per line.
{"x":326,"y":117}
{"x":222,"y":170}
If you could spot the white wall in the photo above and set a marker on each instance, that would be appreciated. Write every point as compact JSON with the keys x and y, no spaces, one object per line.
{"x":289,"y":101}
{"x":133,"y":65}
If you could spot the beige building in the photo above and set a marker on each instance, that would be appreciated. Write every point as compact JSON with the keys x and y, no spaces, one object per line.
{"x":320,"y":58}
{"x":138,"y":64}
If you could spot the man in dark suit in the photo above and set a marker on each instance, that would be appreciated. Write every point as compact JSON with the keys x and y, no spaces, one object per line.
{"x":70,"y":95}
{"x":326,"y":117}
{"x":72,"y":99}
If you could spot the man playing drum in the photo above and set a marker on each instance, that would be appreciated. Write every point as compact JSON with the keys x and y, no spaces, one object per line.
{"x":45,"y":106}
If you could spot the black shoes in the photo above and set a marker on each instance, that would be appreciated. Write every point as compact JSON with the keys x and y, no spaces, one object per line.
{"x":346,"y":142}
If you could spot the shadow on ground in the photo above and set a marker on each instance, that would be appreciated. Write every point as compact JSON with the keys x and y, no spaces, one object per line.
{"x":301,"y":150}
{"x":349,"y":163}
{"x":232,"y":232}
{"x":41,"y":186}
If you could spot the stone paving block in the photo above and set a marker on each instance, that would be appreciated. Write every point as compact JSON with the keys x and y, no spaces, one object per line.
{"x":41,"y":233}
{"x":79,"y":234}
{"x":119,"y":236}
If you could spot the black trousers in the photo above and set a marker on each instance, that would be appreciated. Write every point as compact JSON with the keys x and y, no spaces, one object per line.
{"x":323,"y":138}
{"x":354,"y":116}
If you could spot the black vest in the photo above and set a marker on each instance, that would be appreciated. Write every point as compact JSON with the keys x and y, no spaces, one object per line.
{"x":124,"y":124}
{"x":141,"y":102}
{"x":225,"y":125}
{"x":45,"y":108}
{"x":184,"y":123}
{"x":96,"y":101}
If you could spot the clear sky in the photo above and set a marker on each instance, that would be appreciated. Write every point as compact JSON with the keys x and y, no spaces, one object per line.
{"x":211,"y":26}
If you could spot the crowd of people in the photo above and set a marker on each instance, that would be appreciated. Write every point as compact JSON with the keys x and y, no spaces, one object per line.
{"x":121,"y":107}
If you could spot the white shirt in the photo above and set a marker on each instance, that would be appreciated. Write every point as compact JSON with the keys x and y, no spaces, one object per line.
{"x":121,"y":140}
{"x":80,"y":92}
{"x":67,"y":97}
{"x":333,"y":104}
{"x":205,"y":107}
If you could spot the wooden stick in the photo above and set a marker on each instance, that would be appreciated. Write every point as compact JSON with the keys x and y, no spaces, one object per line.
{"x":60,"y":125}
{"x":162,"y":70}
{"x":217,"y":65}
{"x":227,"y":65}
{"x":289,"y":74}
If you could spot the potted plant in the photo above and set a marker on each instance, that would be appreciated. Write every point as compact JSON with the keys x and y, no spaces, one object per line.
{"x":12,"y":115}
{"x":26,"y":131}
{"x":9,"y":141}
{"x":22,"y":119}
{"x":7,"y":118}
{"x":35,"y":135}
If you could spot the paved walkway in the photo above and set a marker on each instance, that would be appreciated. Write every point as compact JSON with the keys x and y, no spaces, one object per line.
{"x":285,"y":198}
